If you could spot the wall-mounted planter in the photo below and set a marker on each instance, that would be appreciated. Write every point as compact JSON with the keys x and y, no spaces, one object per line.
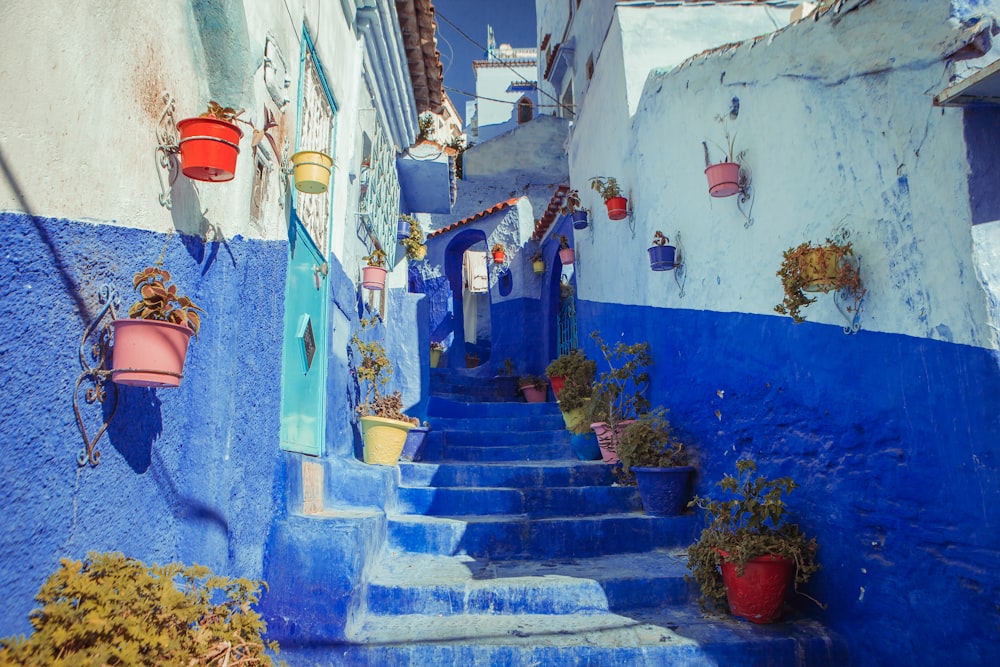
{"x":661,"y":257}
{"x":149,"y":353}
{"x":617,"y":208}
{"x":566,"y":255}
{"x":723,"y":179}
{"x":209,"y":148}
{"x":312,"y":171}
{"x":373,"y":277}
{"x":579,"y":219}
{"x":820,"y":268}
{"x":435,"y":357}
{"x":499,"y":257}
{"x":402,"y":229}
{"x":538,"y":266}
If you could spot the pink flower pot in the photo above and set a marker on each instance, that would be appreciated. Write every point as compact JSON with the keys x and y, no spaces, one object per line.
{"x":723,"y":179}
{"x":608,"y":440}
{"x":149,"y":353}
{"x":373,"y":277}
{"x":566,"y":255}
{"x":533,"y":394}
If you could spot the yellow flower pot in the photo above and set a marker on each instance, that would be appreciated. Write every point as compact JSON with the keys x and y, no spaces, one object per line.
{"x":312,"y":171}
{"x":383,"y":439}
{"x":573,"y":418}
{"x":435,"y":358}
{"x":820,"y":269}
{"x":538,"y":266}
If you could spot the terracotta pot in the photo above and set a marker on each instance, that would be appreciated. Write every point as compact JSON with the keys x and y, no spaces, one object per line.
{"x":759,"y":595}
{"x":499,"y":257}
{"x":209,"y":148}
{"x":533,"y":394}
{"x":373,"y":277}
{"x":723,"y":179}
{"x":557,"y":383}
{"x":566,"y":255}
{"x":617,"y":208}
{"x":149,"y":353}
{"x":383,"y":439}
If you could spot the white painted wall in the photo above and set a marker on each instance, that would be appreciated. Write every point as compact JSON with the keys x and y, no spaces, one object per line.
{"x":494,"y":102}
{"x":828,"y":132}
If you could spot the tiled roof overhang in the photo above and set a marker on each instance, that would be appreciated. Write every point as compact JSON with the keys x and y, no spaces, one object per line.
{"x":416,"y":21}
{"x":475,"y":216}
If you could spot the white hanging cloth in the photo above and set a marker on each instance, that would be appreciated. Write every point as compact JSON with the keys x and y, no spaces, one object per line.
{"x":475,"y":275}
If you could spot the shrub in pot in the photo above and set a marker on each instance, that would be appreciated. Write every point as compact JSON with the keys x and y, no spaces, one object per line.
{"x":611,"y":193}
{"x":617,"y":395}
{"x":662,"y":255}
{"x":573,"y":208}
{"x":572,"y":378}
{"x":533,"y":387}
{"x":413,"y":240}
{"x":210,"y":144}
{"x":723,"y":177}
{"x":659,"y":463}
{"x":825,"y":267}
{"x":750,"y":545}
{"x":373,"y":274}
{"x":566,"y":253}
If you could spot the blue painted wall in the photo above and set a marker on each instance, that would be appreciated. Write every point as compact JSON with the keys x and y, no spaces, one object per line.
{"x":190,"y":474}
{"x":895,"y":442}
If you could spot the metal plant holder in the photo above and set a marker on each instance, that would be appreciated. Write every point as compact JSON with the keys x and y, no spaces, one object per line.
{"x":167,"y":149}
{"x":93,"y":362}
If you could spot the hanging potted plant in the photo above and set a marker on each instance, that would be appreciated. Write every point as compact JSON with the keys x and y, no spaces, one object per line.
{"x":210,"y":144}
{"x":617,"y":396}
{"x":538,"y":262}
{"x":373,"y":275}
{"x":566,"y":254}
{"x":724,"y":177}
{"x":607,"y":187}
{"x":533,"y":387}
{"x":150,"y":347}
{"x":659,"y":462}
{"x":383,"y":425}
{"x":436,"y":350}
{"x":749,"y":555}
{"x":312,"y":170}
{"x":662,"y":255}
{"x":499,"y":253}
{"x":573,"y":208}
{"x":826,"y":267}
{"x":572,"y":378}
{"x":413,"y":241}
{"x":403,"y":227}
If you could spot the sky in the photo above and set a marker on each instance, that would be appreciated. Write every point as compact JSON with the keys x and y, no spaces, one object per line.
{"x":513,"y":23}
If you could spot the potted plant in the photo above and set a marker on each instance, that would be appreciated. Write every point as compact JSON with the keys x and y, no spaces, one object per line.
{"x":750,"y":554}
{"x":312,"y":170}
{"x":533,"y":387}
{"x":383,"y":424}
{"x":413,"y":240}
{"x":210,"y":144}
{"x":436,"y":350}
{"x":499,"y":253}
{"x":566,"y":254}
{"x":817,"y":268}
{"x":573,"y":208}
{"x":723,"y":177}
{"x":416,"y":440}
{"x":538,"y":261}
{"x":506,"y":380}
{"x":571,"y":367}
{"x":373,"y":275}
{"x":607,"y":187}
{"x":150,"y":347}
{"x":617,"y":396}
{"x":662,"y":255}
{"x":660,"y":463}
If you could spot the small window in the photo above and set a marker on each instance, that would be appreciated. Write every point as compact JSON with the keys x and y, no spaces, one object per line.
{"x":524,"y":111}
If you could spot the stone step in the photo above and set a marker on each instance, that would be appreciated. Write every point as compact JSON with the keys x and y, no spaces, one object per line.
{"x":445,"y":407}
{"x":510,"y":536}
{"x":534,"y":502}
{"x":533,"y":424}
{"x":552,"y":451}
{"x":666,"y":636}
{"x":513,"y":475}
{"x":404,"y":583}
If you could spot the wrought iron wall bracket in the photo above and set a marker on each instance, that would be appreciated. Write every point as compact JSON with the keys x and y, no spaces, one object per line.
{"x":680,"y":271}
{"x":167,"y":149}
{"x":847,"y":302}
{"x":93,"y":362}
{"x":744,"y":202}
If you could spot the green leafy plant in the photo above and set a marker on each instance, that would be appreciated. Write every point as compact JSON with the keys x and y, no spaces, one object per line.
{"x":606,"y":186}
{"x":571,"y":202}
{"x":113,"y":610}
{"x":425,"y":127}
{"x":649,"y":443}
{"x":563,"y":242}
{"x":506,"y":368}
{"x":160,"y":300}
{"x":618,"y":392}
{"x":498,"y":247}
{"x":748,"y":522}
{"x":660,"y":240}
{"x":729,"y":150}
{"x":824,"y":267}
{"x":219,"y":112}
{"x":376,"y":258}
{"x":578,"y":373}
{"x":414,"y":242}
{"x":373,"y":373}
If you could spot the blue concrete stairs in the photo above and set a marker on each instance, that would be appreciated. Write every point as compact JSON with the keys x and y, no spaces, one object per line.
{"x":503,"y":549}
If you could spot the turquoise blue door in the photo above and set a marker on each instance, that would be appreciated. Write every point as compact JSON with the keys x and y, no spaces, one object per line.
{"x":307,"y":295}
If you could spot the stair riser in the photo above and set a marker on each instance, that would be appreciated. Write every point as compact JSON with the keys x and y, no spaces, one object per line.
{"x":571,"y":598}
{"x":515,"y":476}
{"x":557,"y":501}
{"x":444,"y":407}
{"x":502,"y":438}
{"x":497,"y":453}
{"x":530,"y":425}
{"x":542,"y":539}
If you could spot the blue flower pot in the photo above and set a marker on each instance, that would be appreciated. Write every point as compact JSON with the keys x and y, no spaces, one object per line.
{"x":664,"y":491}
{"x":661,"y":257}
{"x":402,"y":230}
{"x":579,"y":219}
{"x":413,"y":446}
{"x":585,"y":446}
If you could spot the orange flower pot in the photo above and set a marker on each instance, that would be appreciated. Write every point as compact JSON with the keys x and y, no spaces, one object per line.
{"x":209,"y":148}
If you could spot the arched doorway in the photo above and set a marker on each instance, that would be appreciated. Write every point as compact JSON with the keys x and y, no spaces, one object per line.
{"x":470,"y":309}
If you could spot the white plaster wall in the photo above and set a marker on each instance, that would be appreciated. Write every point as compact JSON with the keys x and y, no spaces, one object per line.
{"x":828,"y":131}
{"x":491,"y":85}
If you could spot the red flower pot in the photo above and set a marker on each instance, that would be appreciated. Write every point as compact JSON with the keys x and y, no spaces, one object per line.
{"x":617,"y":208}
{"x":723,"y":179}
{"x":209,"y":148}
{"x":557,"y":383}
{"x":759,"y":595}
{"x":149,"y":353}
{"x":498,"y":257}
{"x":373,"y":277}
{"x":566,"y":255}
